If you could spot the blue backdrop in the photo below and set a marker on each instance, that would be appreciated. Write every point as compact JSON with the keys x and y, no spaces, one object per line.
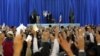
{"x":14,"y":12}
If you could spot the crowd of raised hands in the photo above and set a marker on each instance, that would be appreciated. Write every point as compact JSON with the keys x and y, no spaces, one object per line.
{"x":50,"y":41}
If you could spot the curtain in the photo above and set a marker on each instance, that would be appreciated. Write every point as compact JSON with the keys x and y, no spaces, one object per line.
{"x":54,"y":6}
{"x":86,"y":11}
{"x":14,"y":12}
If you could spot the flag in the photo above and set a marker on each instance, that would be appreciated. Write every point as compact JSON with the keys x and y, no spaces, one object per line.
{"x":45,"y":13}
{"x":60,"y":18}
{"x":3,"y":26}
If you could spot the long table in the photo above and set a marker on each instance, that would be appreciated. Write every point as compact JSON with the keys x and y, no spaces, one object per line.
{"x":56,"y":24}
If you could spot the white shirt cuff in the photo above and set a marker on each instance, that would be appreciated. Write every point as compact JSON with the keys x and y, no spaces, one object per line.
{"x":98,"y":43}
{"x":81,"y":50}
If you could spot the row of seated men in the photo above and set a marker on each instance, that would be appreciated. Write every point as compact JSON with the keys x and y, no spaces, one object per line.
{"x":48,"y":17}
{"x":51,"y":41}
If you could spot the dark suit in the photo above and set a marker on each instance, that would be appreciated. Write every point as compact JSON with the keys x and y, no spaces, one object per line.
{"x":33,"y":18}
{"x":24,"y":49}
{"x":82,"y":54}
{"x":49,"y":18}
{"x":71,"y":17}
{"x":98,"y":50}
{"x":71,"y":20}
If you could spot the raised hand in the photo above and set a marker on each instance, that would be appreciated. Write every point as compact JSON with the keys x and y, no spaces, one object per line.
{"x":34,"y":33}
{"x":28,"y":52}
{"x":45,"y":35}
{"x":1,"y":38}
{"x":64,"y":34}
{"x":65,"y":45}
{"x":18,"y":44}
{"x":97,"y":36}
{"x":56,"y":30}
{"x":52,"y":37}
{"x":80,"y":38}
{"x":1,"y":41}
